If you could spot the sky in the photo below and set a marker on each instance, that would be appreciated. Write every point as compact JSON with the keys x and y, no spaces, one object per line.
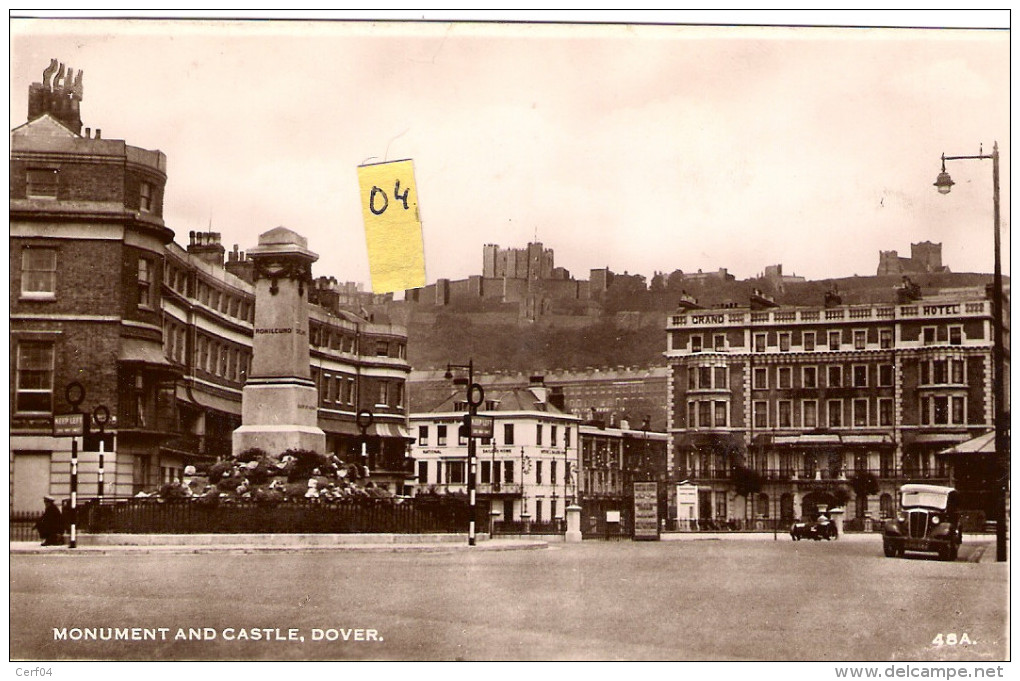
{"x":641,"y":148}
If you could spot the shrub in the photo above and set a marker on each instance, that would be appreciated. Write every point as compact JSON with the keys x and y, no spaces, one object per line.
{"x":217,"y":470}
{"x":173,"y":490}
{"x":305,"y":461}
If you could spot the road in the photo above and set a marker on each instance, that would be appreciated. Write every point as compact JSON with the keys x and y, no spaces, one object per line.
{"x":681,"y":600}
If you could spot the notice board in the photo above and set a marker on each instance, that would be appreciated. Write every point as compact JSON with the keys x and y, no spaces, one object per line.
{"x":646,"y":510}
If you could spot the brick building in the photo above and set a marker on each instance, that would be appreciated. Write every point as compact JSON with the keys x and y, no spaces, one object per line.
{"x":158,"y":333}
{"x":824,"y":402}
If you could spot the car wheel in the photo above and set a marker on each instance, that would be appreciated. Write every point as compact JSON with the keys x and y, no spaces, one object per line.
{"x":954,"y":551}
{"x":944,"y":553}
{"x":890,"y":552}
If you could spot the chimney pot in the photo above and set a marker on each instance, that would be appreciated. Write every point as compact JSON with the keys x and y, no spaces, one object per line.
{"x":88,"y":133}
{"x":99,"y":133}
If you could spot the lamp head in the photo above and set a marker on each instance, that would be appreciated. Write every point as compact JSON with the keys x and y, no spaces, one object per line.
{"x":943,"y":182}
{"x":448,"y":375}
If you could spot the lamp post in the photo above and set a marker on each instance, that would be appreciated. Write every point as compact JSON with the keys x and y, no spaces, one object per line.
{"x":475,"y":395}
{"x":944,"y":183}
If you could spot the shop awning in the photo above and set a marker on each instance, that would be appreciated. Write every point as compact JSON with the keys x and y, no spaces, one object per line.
{"x":389,"y":430}
{"x":869,"y":439}
{"x":207,"y":401}
{"x":807,"y":440}
{"x":137,"y":351}
{"x":982,"y":444}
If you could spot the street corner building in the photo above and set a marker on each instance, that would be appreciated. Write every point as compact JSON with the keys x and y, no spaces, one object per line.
{"x":832,"y":405}
{"x":158,"y":333}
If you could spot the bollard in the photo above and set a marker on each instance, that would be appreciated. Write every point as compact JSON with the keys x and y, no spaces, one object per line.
{"x":573,"y":534}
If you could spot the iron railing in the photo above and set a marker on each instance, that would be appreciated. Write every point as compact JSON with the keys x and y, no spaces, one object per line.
{"x":191,"y":516}
{"x":23,"y":525}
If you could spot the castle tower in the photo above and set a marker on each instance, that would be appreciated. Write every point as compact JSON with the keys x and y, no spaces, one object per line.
{"x":279,"y":403}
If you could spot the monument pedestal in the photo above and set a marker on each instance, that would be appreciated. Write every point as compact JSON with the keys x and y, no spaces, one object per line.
{"x":279,"y":402}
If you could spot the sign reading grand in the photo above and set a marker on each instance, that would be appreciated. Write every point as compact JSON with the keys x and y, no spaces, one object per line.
{"x":389,"y":206}
{"x":646,"y":510}
{"x":69,"y":425}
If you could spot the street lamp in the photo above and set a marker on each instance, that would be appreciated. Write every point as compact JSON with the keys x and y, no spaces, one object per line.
{"x":475,"y":395}
{"x":944,"y":183}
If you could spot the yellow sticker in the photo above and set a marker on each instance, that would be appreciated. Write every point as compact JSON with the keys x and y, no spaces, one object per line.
{"x":389,"y":204}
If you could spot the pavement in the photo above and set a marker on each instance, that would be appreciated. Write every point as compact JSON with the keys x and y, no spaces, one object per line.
{"x":982,"y":545}
{"x":34,"y":548}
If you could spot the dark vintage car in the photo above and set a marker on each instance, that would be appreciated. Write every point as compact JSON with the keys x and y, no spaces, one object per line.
{"x":929,"y":521}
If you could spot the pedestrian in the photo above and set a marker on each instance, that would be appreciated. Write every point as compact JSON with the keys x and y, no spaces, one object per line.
{"x":51,"y":525}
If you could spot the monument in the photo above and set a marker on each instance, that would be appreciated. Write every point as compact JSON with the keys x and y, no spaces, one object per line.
{"x":279,"y":402}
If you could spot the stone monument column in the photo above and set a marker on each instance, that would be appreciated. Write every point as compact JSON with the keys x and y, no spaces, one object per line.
{"x":279,"y":402}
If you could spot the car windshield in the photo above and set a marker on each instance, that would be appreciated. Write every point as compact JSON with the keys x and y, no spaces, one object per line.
{"x":929,"y":499}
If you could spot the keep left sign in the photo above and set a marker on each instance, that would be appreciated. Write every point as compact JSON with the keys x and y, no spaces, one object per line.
{"x":389,"y":206}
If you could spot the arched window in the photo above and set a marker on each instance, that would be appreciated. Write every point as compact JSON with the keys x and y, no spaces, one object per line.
{"x":885,"y":504}
{"x":786,"y":506}
{"x":763,"y":505}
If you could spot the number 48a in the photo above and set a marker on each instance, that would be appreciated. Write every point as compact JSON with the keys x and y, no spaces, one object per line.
{"x":951,"y":639}
{"x":385,"y":199}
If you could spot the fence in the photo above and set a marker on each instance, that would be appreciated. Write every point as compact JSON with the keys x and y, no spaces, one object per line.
{"x":184,"y":516}
{"x":23,"y":525}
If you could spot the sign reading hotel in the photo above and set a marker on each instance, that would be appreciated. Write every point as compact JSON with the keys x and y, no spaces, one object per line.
{"x":389,"y":206}
{"x":646,"y":510}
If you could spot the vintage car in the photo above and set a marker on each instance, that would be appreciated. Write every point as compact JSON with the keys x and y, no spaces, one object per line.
{"x":929,"y":520}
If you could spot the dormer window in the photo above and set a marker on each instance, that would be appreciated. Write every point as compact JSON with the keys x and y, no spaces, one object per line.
{"x":41,"y":183}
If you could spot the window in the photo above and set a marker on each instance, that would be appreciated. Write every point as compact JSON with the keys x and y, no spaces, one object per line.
{"x":350,"y":391}
{"x":885,"y":338}
{"x":34,"y":381}
{"x":462,"y":435}
{"x":508,"y":472}
{"x":705,"y":377}
{"x":441,"y":436}
{"x":941,"y":410}
{"x":705,"y":414}
{"x":785,"y":414}
{"x":925,"y":373}
{"x":423,"y":436}
{"x":785,"y":377}
{"x":835,"y":413}
{"x":809,"y":377}
{"x":42,"y":183}
{"x":384,"y":394}
{"x":455,"y":472}
{"x":552,"y":436}
{"x":538,"y":510}
{"x":695,"y":343}
{"x":834,"y":340}
{"x":720,"y":414}
{"x":860,"y":407}
{"x":810,"y":414}
{"x":423,"y":472}
{"x":552,"y":472}
{"x":956,"y":367}
{"x":145,"y":197}
{"x":720,"y":378}
{"x":939,"y":373}
{"x":719,"y":341}
{"x":885,"y":414}
{"x":958,"y":410}
{"x":538,"y":434}
{"x":928,"y":334}
{"x":809,"y":341}
{"x":486,"y":472}
{"x":885,"y":375}
{"x":566,"y":437}
{"x":925,"y":411}
{"x":835,"y":376}
{"x":508,"y":433}
{"x":860,"y":375}
{"x":761,"y":379}
{"x":327,"y":388}
{"x":956,"y":335}
{"x":145,"y":267}
{"x":382,"y":349}
{"x":759,"y":342}
{"x":761,"y":414}
{"x":784,"y":342}
{"x":692,"y":379}
{"x":538,"y":472}
{"x":692,"y":419}
{"x":860,"y":339}
{"x":38,"y":272}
